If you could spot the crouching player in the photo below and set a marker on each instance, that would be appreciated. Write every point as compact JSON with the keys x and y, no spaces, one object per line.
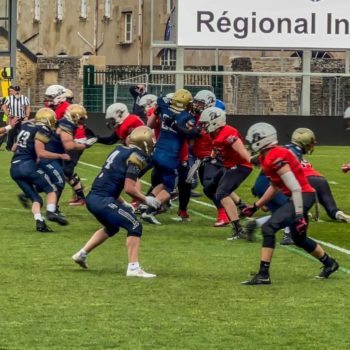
{"x":285,"y":174}
{"x":120,"y":172}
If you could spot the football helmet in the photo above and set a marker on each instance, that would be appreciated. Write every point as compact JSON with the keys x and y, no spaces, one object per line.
{"x":212,"y":119}
{"x":168,"y":97}
{"x":143,"y":138}
{"x":220,"y":104}
{"x":69,"y":96}
{"x":54,"y":95}
{"x":261,"y":136}
{"x":116,"y":114}
{"x":304,"y":138}
{"x":202,"y":100}
{"x":76,"y":114}
{"x":147,"y":101}
{"x":180,"y":100}
{"x":47,"y":117}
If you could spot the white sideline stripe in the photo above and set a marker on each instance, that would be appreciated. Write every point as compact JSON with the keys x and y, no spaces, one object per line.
{"x":329,"y":245}
{"x":333,"y":182}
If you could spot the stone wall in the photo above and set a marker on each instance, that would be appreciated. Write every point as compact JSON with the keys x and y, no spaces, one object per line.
{"x":282,"y":95}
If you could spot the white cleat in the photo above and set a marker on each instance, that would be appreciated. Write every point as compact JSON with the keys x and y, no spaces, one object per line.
{"x":139,"y":273}
{"x":342,"y":217}
{"x":150,"y":218}
{"x":80,"y":260}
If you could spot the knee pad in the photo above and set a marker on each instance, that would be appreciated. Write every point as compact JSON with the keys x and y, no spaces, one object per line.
{"x":38,"y":199}
{"x":136,"y":231}
{"x":269,"y":238}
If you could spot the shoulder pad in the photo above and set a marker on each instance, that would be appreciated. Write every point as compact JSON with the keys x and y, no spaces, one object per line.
{"x":138,"y":160}
{"x":66,"y":126}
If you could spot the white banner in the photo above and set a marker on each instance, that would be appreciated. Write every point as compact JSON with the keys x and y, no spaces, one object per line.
{"x":275,"y":24}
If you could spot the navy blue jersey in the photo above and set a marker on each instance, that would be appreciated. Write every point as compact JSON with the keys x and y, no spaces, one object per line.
{"x":169,"y":143}
{"x":28,"y":133}
{"x":55,"y":145}
{"x":296,"y":150}
{"x":123,"y":162}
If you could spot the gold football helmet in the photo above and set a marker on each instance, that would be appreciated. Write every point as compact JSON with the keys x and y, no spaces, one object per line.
{"x":69,"y":96}
{"x":181,"y":100}
{"x":46,"y":116}
{"x":76,"y":114}
{"x":304,"y":138}
{"x":143,"y":138}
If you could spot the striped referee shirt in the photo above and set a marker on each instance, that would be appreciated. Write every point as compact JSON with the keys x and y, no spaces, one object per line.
{"x":17,"y":106}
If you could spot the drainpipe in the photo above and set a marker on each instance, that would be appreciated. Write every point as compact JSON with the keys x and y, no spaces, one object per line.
{"x":139,"y":34}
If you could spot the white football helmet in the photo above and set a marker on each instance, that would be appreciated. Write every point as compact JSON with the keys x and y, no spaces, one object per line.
{"x":116,"y":113}
{"x":202,"y":100}
{"x":148,"y":101}
{"x":168,"y":97}
{"x":261,"y":136}
{"x":54,"y":95}
{"x":212,"y":119}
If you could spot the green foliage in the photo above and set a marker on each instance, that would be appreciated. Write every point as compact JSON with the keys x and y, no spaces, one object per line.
{"x":196,"y":302}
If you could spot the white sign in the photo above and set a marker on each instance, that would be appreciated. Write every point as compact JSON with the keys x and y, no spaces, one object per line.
{"x":282,"y":24}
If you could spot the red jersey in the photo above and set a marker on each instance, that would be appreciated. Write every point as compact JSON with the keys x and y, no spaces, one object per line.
{"x":61,"y":109}
{"x":158,"y":125}
{"x":203,"y":145}
{"x":80,"y":132}
{"x":275,"y":159}
{"x":130,"y":123}
{"x":308,"y":169}
{"x":223,"y":143}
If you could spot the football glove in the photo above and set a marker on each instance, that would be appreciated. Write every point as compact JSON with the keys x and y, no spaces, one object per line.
{"x":152,"y":202}
{"x":249,"y":210}
{"x":89,"y":142}
{"x":345,"y":168}
{"x":300,"y":224}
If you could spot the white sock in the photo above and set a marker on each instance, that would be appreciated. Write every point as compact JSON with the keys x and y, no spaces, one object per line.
{"x":261,"y":221}
{"x":51,"y":208}
{"x":38,"y":217}
{"x":83,"y":253}
{"x":133,"y":266}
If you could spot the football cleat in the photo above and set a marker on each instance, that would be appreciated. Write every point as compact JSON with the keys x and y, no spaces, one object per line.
{"x":24,"y":200}
{"x":55,"y":217}
{"x":342,"y":217}
{"x":237,"y":234}
{"x":150,"y":218}
{"x":286,"y":239}
{"x":80,"y":260}
{"x":258,"y":279}
{"x":77,"y":202}
{"x":139,"y":273}
{"x":250,"y":229}
{"x":42,"y":227}
{"x":221,"y":223}
{"x":328,"y":270}
{"x":183,"y":215}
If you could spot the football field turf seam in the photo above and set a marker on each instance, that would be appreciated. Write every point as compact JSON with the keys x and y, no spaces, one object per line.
{"x":290,"y":248}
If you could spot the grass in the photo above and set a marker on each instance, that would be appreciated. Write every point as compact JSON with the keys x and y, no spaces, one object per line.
{"x":197,"y":302}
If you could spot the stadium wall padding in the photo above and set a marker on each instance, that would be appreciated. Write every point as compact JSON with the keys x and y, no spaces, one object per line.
{"x":329,"y":131}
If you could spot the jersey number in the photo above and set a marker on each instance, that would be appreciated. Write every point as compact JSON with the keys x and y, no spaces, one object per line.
{"x":110,"y":159}
{"x":23,"y":138}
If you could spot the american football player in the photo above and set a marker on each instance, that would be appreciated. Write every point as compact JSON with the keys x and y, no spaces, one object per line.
{"x":32,"y":138}
{"x":120,"y":172}
{"x":285,"y":174}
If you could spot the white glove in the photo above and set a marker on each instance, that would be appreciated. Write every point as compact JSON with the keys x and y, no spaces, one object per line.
{"x":89,"y":142}
{"x":152,"y":202}
{"x":129,"y":206}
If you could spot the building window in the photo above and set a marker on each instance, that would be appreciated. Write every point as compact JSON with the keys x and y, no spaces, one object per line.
{"x":107,"y":9}
{"x":168,"y":57}
{"x":37,"y":11}
{"x":83,"y":9}
{"x":170,"y":4}
{"x":128,"y":27}
{"x":59,"y":10}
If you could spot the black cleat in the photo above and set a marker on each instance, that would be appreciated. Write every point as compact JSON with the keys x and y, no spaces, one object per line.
{"x":250,"y":229}
{"x":287,"y":239}
{"x":258,"y":279}
{"x":42,"y":227}
{"x":58,"y":218}
{"x":237,"y":234}
{"x":24,"y":200}
{"x":328,"y":270}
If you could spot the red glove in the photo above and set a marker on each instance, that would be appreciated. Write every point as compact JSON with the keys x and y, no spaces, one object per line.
{"x":300,"y":224}
{"x":345,"y":168}
{"x":249,"y":210}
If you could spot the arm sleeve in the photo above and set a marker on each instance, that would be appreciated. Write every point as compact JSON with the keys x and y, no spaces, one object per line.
{"x":291,"y":182}
{"x":108,"y":140}
{"x":189,"y":134}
